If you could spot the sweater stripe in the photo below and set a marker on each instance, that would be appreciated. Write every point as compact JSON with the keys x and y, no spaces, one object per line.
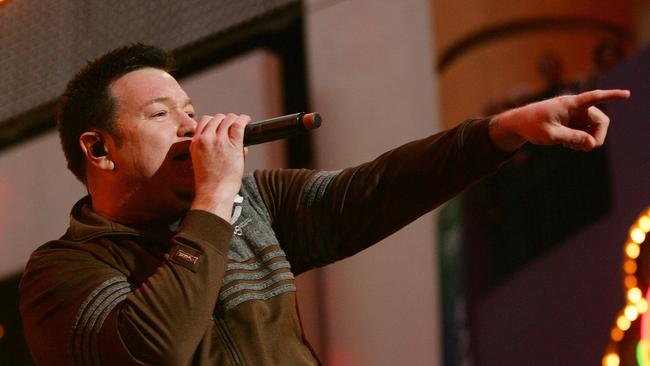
{"x":91,"y":316}
{"x":249,"y":276}
{"x":256,"y":286}
{"x":258,"y":263}
{"x":315,"y":188}
{"x":263,"y":276}
{"x":310,"y":205}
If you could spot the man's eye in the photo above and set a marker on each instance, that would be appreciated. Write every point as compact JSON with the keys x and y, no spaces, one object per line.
{"x":159,"y":114}
{"x":190,"y":114}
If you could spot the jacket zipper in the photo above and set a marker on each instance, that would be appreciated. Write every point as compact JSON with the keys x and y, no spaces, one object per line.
{"x":230,"y":344}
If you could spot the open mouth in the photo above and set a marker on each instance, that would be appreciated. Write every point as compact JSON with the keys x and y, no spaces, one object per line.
{"x":180,"y":151}
{"x":183,"y":157}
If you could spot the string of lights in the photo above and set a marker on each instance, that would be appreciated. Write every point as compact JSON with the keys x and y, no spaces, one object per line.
{"x":632,"y":326}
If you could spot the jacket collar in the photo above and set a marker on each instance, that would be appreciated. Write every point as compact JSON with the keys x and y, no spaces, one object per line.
{"x":85,"y":224}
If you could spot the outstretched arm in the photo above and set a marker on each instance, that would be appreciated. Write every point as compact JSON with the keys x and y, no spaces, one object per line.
{"x":570,"y":120}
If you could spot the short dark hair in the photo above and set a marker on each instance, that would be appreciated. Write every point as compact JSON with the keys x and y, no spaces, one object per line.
{"x":87,"y":103}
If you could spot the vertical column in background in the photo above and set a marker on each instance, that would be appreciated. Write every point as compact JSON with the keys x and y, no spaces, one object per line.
{"x":371,"y":78}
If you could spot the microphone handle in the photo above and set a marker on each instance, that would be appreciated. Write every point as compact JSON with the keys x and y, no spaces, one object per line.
{"x":280,"y":127}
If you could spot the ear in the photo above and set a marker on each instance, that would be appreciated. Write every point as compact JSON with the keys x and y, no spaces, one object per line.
{"x":92,"y":145}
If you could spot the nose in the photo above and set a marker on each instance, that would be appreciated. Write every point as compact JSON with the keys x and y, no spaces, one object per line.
{"x":186,"y":126}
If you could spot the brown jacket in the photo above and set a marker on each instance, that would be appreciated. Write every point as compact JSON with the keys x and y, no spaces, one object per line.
{"x":208,"y":292}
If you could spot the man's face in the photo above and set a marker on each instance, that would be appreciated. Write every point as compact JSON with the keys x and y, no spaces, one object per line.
{"x":155,"y":124}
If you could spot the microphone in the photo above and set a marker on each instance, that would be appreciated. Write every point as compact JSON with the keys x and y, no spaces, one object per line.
{"x":280,"y":127}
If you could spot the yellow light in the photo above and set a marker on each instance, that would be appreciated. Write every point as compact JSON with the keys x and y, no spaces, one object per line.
{"x":611,"y":359}
{"x":637,"y":235}
{"x":632,"y":250}
{"x":634,"y":294}
{"x":616,"y":334}
{"x":630,"y":266}
{"x":631,"y":312}
{"x":623,"y":323}
{"x":644,"y":223}
{"x":630,"y":282}
{"x":642,"y":306}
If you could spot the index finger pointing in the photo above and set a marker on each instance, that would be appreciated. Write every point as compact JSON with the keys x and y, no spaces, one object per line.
{"x":598,"y":96}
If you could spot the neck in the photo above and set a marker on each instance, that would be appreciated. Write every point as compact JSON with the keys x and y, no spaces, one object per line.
{"x":133,"y":204}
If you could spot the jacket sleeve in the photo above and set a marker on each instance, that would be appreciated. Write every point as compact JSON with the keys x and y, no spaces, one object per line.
{"x":321,"y":217}
{"x":78,"y":309}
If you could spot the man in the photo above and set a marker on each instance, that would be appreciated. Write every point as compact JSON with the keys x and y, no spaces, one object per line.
{"x":175,"y":258}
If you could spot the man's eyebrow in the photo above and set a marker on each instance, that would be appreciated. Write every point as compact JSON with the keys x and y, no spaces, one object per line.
{"x":187,"y":101}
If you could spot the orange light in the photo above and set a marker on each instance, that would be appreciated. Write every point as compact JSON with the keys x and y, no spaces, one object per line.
{"x":630,"y":281}
{"x":616,"y":335}
{"x":630,"y":266}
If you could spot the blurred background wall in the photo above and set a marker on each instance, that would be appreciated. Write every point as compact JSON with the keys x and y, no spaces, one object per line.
{"x":381,"y":73}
